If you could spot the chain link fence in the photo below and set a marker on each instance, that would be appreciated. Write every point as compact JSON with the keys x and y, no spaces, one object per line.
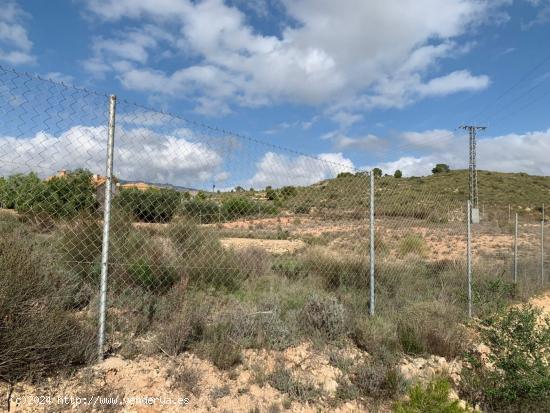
{"x":205,"y":222}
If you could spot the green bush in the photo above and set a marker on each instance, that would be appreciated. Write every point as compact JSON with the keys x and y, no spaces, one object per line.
{"x":344,"y":175}
{"x":347,"y":271}
{"x":433,"y":398}
{"x":69,"y":195}
{"x":515,"y":377}
{"x":288,"y":191}
{"x":150,"y":276}
{"x":37,"y":335}
{"x":207,"y":263}
{"x":282,"y":380}
{"x":151,"y":205}
{"x":60,"y":197}
{"x":221,"y":349}
{"x":180,"y":322}
{"x":291,"y":268}
{"x":412,"y":244}
{"x":431,"y":327}
{"x":80,"y":246}
{"x":441,"y":168}
{"x":233,"y":208}
{"x":323,"y":316}
{"x":379,"y":379}
{"x":202,"y":210}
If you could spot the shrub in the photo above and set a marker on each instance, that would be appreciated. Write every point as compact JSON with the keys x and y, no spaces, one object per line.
{"x":184,"y":378}
{"x":324,"y":316}
{"x":290,"y":268}
{"x":202,"y":210}
{"x":221,"y":347}
{"x":151,"y":276}
{"x":233,"y":208}
{"x":516,"y":373}
{"x":433,"y":398}
{"x":412,"y":244}
{"x":181,"y":323}
{"x":288,"y":191}
{"x":302,"y":209}
{"x":431,"y":328}
{"x":374,"y":335}
{"x":60,"y":197}
{"x":397,"y":174}
{"x":378,"y":379}
{"x":441,"y":168}
{"x":80,"y":246}
{"x":344,"y":175}
{"x":37,"y":336}
{"x":377,"y":172}
{"x":151,"y":205}
{"x":337,"y":271}
{"x":283,"y":380}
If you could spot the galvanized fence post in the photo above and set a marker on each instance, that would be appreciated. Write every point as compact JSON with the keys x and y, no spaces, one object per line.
{"x":372,"y":250}
{"x":469,"y":256}
{"x":516,"y":250}
{"x":542,"y":248}
{"x":106,"y":226}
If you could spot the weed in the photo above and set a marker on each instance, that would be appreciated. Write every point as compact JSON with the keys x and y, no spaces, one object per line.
{"x":283,"y":380}
{"x":432,"y":398}
{"x":184,"y":378}
{"x":412,"y":244}
{"x":219,"y":392}
{"x":324,"y":316}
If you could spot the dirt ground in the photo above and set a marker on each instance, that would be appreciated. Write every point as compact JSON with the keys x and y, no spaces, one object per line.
{"x":154,"y":384}
{"x":442,"y":241}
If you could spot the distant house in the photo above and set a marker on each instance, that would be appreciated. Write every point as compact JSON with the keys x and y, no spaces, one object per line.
{"x":142,"y":186}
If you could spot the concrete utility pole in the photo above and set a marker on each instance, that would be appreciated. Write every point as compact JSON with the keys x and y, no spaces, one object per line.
{"x":474,"y":192}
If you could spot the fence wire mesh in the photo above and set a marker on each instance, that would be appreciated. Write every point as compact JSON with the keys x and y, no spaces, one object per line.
{"x":207,"y":223}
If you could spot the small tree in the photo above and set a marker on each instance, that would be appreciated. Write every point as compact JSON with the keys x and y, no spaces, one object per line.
{"x":397,"y":174}
{"x":344,"y":175}
{"x":441,"y":168}
{"x":377,"y":172}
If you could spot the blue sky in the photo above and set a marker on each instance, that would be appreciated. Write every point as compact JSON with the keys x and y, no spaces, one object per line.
{"x":361,"y":82}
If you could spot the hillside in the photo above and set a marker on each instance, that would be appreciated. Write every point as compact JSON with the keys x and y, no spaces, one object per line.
{"x":423,"y":197}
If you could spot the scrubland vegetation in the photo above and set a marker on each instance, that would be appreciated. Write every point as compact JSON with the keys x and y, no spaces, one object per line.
{"x":174,"y":288}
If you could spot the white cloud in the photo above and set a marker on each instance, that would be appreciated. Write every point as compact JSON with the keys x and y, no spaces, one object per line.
{"x":346,"y":119}
{"x":435,"y":138}
{"x":507,"y":153}
{"x":389,"y":46}
{"x":140,"y":154}
{"x":15,"y":45}
{"x":460,"y":80}
{"x":366,"y":143}
{"x":59,"y":77}
{"x":130,"y":47}
{"x":279,"y":170}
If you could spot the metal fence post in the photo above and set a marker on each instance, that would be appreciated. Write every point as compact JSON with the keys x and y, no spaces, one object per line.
{"x":516,"y":250}
{"x":106,"y":226}
{"x":542,"y":248}
{"x":469,"y":256}
{"x":372,"y":251}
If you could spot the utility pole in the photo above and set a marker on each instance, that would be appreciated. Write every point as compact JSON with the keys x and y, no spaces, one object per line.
{"x":474,"y":192}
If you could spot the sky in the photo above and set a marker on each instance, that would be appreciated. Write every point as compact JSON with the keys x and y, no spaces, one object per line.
{"x":356,"y":83}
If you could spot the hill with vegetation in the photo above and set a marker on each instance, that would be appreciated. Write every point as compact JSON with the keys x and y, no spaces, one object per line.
{"x":433,"y":197}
